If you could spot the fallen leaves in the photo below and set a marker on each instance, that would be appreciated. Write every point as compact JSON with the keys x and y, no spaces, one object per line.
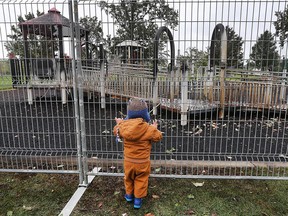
{"x":106,"y":132}
{"x":198,"y":130}
{"x":116,"y":193}
{"x":189,"y":212}
{"x":154,"y":196}
{"x":157,"y":170}
{"x":198,"y":184}
{"x":170,"y":151}
{"x":27,"y":208}
{"x":9,"y":213}
{"x":100,"y":205}
{"x":190,"y":196}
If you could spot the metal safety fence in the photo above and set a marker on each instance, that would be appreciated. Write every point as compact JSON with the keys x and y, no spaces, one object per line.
{"x":213,"y":73}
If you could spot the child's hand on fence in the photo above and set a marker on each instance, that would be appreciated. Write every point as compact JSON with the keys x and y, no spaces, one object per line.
{"x":118,"y":120}
{"x":155,"y":123}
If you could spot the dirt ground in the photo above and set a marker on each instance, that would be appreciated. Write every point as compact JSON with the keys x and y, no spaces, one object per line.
{"x":47,"y":127}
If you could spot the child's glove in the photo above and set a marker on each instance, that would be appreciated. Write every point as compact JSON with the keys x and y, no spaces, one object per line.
{"x":118,"y":120}
{"x":155,"y":123}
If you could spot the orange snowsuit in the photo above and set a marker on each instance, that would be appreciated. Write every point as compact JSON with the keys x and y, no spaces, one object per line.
{"x":137,"y":136}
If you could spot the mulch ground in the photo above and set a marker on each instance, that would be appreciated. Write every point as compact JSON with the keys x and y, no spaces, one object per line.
{"x":47,"y":127}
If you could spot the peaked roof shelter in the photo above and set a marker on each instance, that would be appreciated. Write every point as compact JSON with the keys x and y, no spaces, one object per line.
{"x":130,"y":51}
{"x":50,"y":25}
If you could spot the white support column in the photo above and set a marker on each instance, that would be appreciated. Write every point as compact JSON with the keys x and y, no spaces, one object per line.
{"x":102,"y":85}
{"x":184,"y":98}
{"x":63,"y":88}
{"x":283,"y":87}
{"x":155,"y":96}
{"x":172,"y":86}
{"x":30,"y":96}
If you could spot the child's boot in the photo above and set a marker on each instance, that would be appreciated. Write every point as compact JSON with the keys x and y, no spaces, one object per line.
{"x":137,"y":203}
{"x":129,"y":197}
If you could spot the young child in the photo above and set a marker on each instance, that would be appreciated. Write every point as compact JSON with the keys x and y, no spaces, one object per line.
{"x":137,"y":135}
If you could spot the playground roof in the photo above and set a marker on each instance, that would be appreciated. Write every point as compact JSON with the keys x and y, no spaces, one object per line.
{"x":39,"y":25}
{"x":53,"y":17}
{"x":129,"y":43}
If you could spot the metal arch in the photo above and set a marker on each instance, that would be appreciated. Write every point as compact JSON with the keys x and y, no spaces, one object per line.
{"x":156,"y":49}
{"x":223,"y":39}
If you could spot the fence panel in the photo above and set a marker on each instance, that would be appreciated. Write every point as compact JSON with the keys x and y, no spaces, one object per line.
{"x":248,"y":142}
{"x":37,"y":128}
{"x":214,"y":126}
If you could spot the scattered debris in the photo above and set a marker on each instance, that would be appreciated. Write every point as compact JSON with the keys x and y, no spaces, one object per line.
{"x":155,"y":196}
{"x":116,"y":193}
{"x":214,"y":125}
{"x":27,"y":208}
{"x":9,"y":213}
{"x":190,"y":196}
{"x":149,"y":214}
{"x":283,"y":156}
{"x":197,"y":184}
{"x":158,"y":169}
{"x":100,"y":205}
{"x":198,"y":131}
{"x":189,"y":212}
{"x":171,"y":150}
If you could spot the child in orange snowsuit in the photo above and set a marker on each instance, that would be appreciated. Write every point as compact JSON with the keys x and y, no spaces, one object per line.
{"x":137,"y":135}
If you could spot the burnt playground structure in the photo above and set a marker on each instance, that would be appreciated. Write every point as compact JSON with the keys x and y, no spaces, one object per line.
{"x":217,"y":121}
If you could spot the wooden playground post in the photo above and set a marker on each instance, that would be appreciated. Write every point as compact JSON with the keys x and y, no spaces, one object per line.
{"x":155,"y":96}
{"x":222,"y":72}
{"x":172,"y":86}
{"x":222,"y":93}
{"x":283,"y":87}
{"x":184,"y":96}
{"x":102,"y":77}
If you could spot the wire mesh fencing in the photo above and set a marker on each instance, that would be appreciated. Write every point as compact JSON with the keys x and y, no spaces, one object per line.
{"x":213,"y":74}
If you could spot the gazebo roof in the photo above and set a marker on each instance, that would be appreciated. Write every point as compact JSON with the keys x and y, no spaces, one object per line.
{"x":129,"y":43}
{"x":53,"y":17}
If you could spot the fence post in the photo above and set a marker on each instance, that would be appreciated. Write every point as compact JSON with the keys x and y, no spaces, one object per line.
{"x":80,"y":94}
{"x":75,"y":93}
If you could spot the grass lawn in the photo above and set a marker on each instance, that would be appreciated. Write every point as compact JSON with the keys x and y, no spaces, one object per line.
{"x":5,"y":82}
{"x":47,"y":194}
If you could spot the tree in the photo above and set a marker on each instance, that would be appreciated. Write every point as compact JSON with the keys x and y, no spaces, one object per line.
{"x":234,"y":49}
{"x":281,"y":25}
{"x":38,"y":45}
{"x":199,"y":57}
{"x":95,"y":33}
{"x":264,"y":52}
{"x":136,"y":20}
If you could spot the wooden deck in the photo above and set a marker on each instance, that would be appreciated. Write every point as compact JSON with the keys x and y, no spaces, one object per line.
{"x":195,"y":92}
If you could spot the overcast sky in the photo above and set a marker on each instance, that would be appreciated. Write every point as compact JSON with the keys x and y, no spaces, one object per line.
{"x":197,"y":19}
